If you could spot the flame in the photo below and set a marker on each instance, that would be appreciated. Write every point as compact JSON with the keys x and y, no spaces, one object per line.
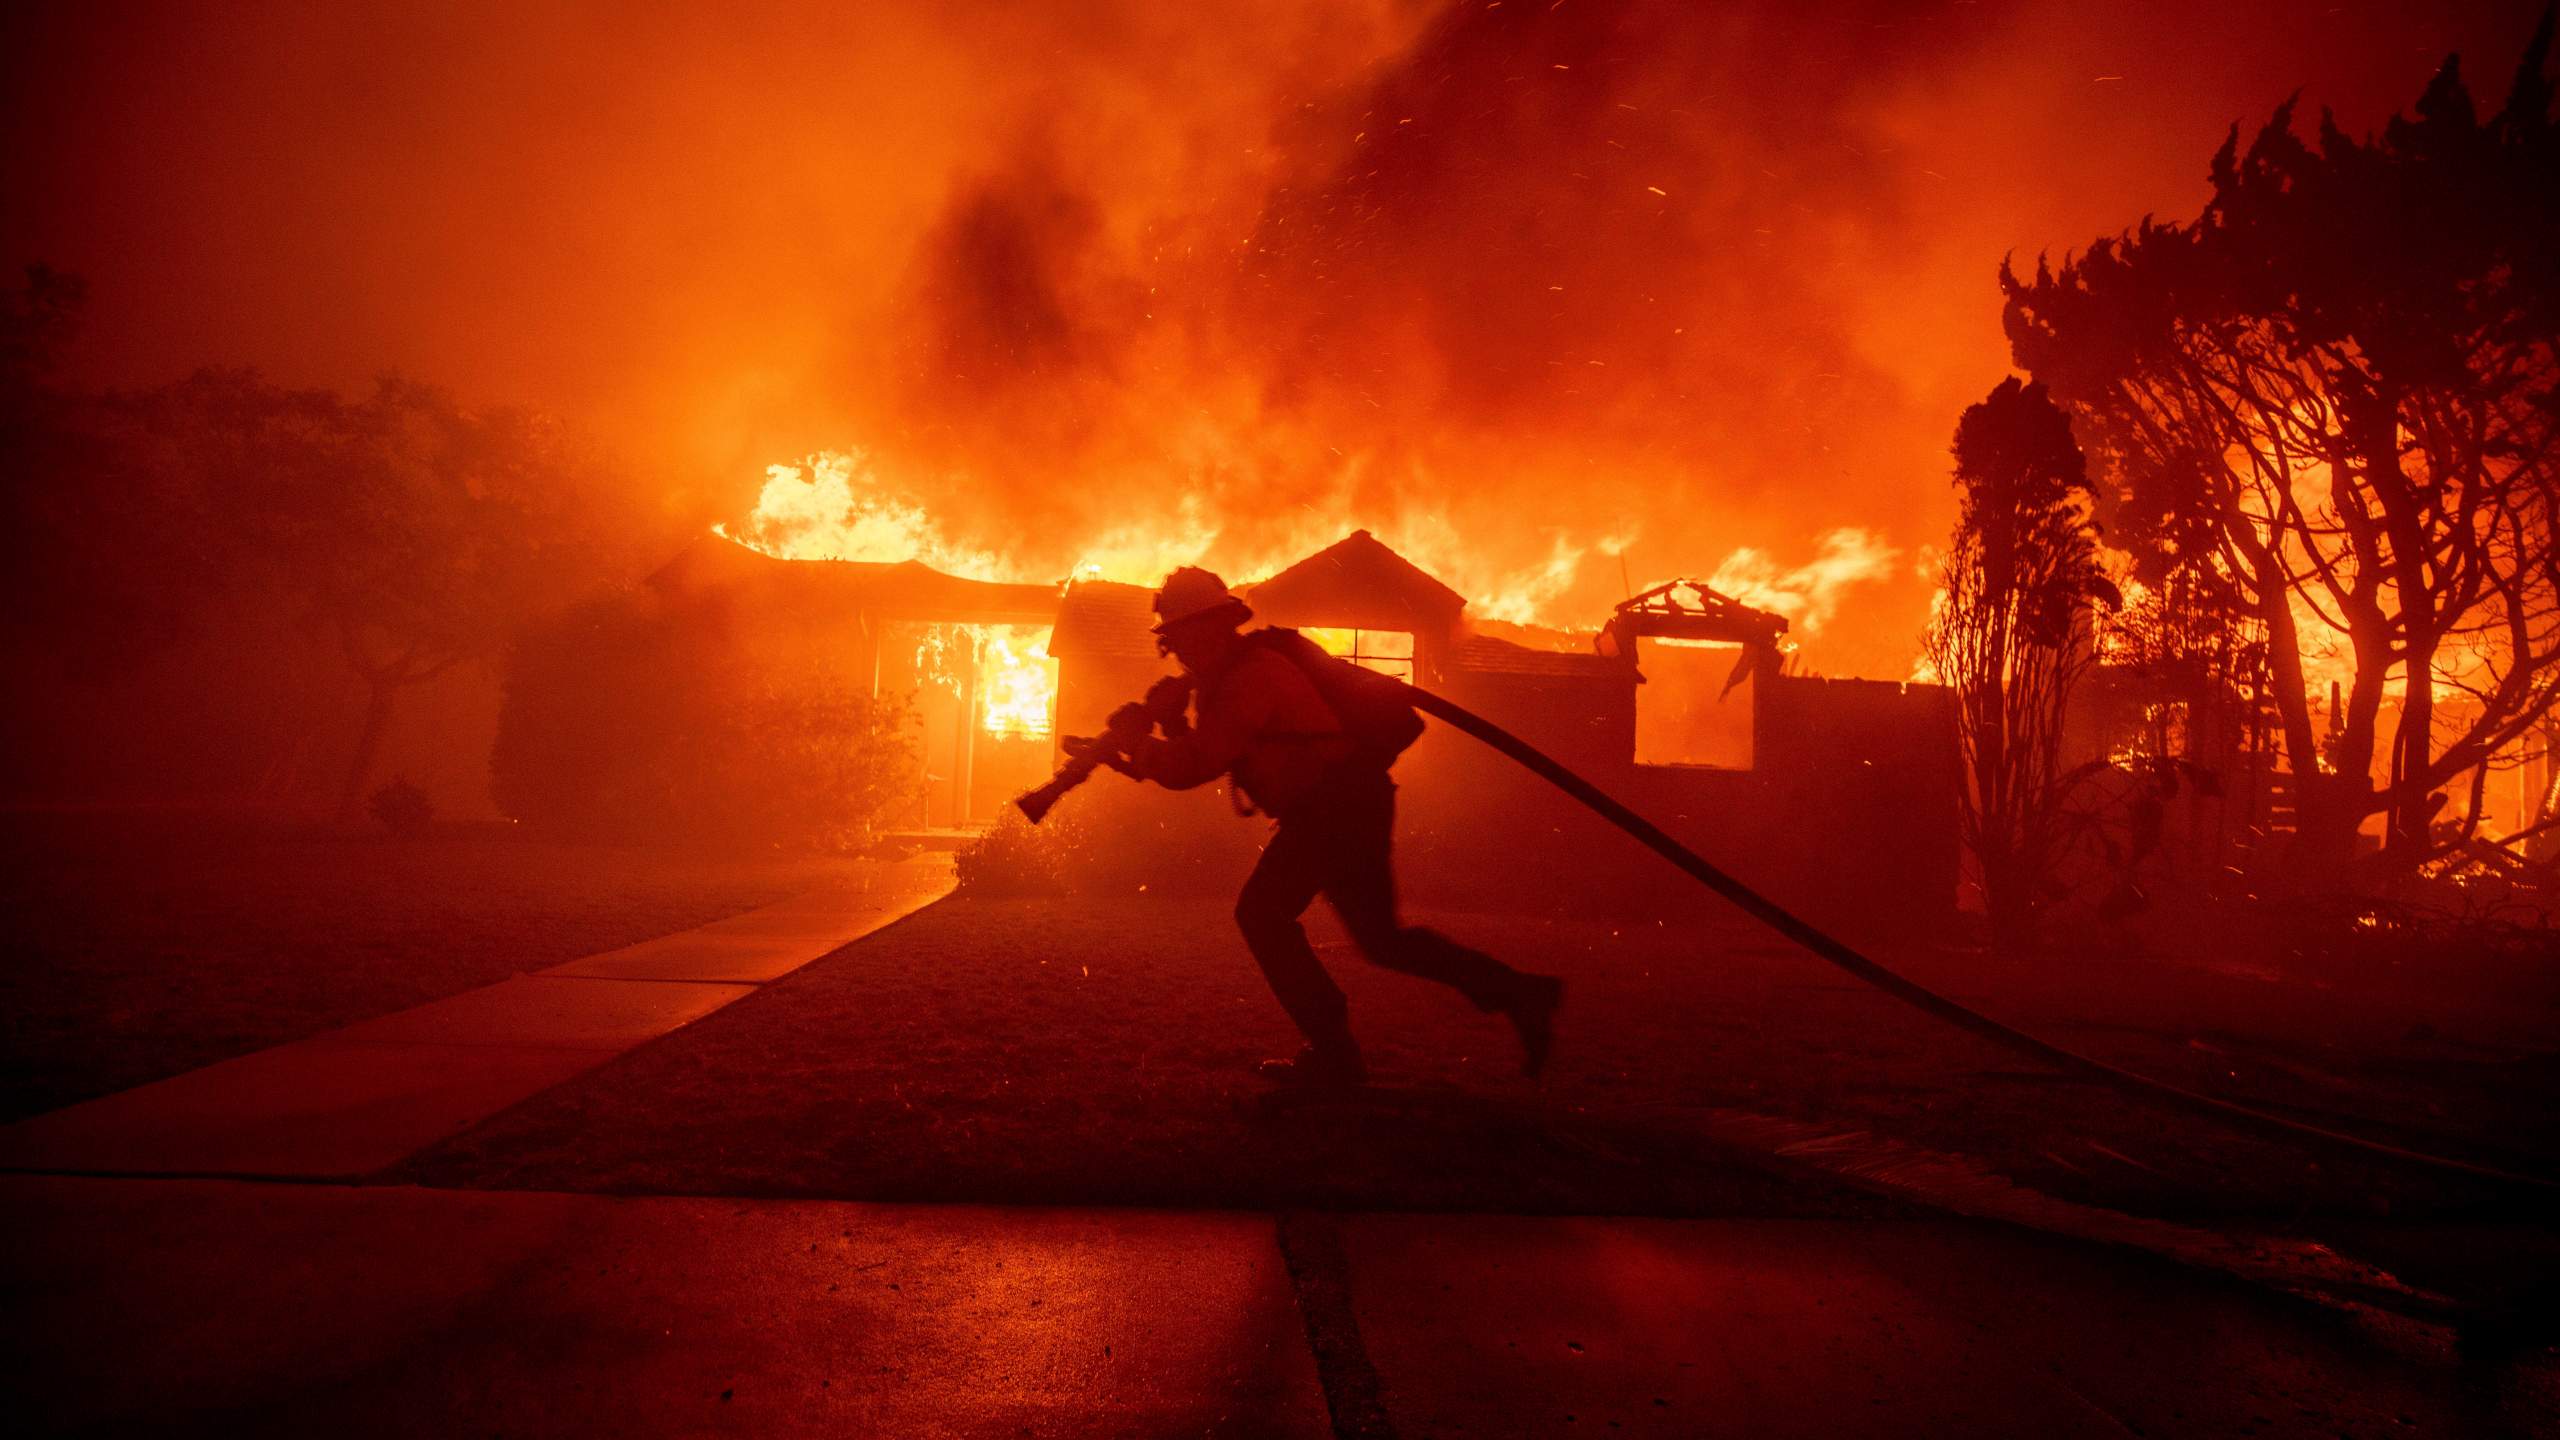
{"x":1810,"y":594}
{"x":1517,"y":597}
{"x":1017,"y":681}
{"x":837,"y":505}
{"x":1389,"y":652}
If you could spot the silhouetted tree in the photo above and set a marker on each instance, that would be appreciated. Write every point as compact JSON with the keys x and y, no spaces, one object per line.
{"x":115,"y":546}
{"x":403,"y":531}
{"x":2330,"y":400}
{"x":431,"y":532}
{"x":2011,"y":635}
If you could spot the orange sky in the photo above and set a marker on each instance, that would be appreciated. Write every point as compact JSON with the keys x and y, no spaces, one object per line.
{"x":1510,"y":284}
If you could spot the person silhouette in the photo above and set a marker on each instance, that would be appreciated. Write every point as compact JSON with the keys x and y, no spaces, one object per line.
{"x":1244,"y":708}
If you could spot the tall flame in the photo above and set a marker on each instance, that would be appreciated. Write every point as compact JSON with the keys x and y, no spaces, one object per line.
{"x":1809,"y":594}
{"x":836,"y":505}
{"x":833,"y":506}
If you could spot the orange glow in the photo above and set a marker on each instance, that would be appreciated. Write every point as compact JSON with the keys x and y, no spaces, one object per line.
{"x":837,"y":505}
{"x":1009,"y":666}
{"x":1017,"y":681}
{"x":832,"y":507}
{"x":1555,"y":300}
{"x":1389,"y":652}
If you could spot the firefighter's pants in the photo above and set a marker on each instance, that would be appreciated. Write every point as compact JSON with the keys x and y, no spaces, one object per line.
{"x":1338,"y":843}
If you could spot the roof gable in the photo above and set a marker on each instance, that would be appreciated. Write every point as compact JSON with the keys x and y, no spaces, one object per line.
{"x":1357,"y":581}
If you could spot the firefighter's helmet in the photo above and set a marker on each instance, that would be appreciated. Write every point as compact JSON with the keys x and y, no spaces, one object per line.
{"x":1191,"y":593}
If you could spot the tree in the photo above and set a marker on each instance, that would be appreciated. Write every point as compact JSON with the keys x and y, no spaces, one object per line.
{"x":425,"y":536}
{"x":2010,"y":636}
{"x":227,"y":538}
{"x":2330,"y":402}
{"x":118,"y":539}
{"x":402,"y":531}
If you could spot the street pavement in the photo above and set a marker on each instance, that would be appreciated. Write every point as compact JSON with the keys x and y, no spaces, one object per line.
{"x":182,"y":1259}
{"x":190,"y":1307}
{"x":161,"y":1306}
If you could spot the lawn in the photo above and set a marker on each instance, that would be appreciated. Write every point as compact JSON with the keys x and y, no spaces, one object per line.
{"x":143,"y":948}
{"x":1050,"y":1050}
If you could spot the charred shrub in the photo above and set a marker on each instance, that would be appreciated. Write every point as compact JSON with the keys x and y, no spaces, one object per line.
{"x":621,"y":724}
{"x":402,"y":808}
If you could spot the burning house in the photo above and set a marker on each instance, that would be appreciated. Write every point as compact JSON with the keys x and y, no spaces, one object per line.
{"x":965,"y":654}
{"x":1837,"y":795}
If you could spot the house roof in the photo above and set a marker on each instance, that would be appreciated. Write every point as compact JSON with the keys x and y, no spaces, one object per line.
{"x":1104,"y":619}
{"x":912,"y":590}
{"x":1486,"y":655}
{"x":1357,"y":581}
{"x":904,"y":590}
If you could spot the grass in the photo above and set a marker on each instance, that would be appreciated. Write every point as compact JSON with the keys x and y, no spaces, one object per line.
{"x":142,"y":949}
{"x":1099,"y":1051}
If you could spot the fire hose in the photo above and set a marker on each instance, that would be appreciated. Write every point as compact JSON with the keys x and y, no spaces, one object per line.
{"x":1839,"y":953}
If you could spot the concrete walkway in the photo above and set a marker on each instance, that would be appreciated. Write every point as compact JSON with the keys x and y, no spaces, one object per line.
{"x":175,"y":1306}
{"x":356,"y":1100}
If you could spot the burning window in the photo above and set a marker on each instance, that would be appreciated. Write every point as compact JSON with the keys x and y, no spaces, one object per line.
{"x":1002,"y":674}
{"x":1685,"y":712}
{"x":1389,"y":652}
{"x":1017,"y":680}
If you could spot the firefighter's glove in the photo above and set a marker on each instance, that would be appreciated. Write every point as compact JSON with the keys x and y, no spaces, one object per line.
{"x":1129,"y":724}
{"x":1100,"y":749}
{"x":1168,"y":700}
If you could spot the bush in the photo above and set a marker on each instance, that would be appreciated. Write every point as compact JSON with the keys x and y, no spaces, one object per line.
{"x":1016,"y":857}
{"x":403,"y":808}
{"x":1113,"y":837}
{"x":621,"y":724}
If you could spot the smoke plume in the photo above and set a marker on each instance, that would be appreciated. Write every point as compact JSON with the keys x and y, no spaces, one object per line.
{"x":1552,"y":296}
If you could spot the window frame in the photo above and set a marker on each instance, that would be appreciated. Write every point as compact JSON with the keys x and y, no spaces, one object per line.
{"x":1409,"y":660}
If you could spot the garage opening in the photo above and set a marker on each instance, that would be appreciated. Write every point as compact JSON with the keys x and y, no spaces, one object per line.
{"x":1695,"y":705}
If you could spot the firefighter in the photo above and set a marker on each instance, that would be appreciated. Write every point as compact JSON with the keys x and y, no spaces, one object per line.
{"x":1258,"y":715}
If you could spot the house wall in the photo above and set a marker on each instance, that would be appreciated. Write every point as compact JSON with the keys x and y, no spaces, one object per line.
{"x":1090,"y":687}
{"x":1848,"y":816}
